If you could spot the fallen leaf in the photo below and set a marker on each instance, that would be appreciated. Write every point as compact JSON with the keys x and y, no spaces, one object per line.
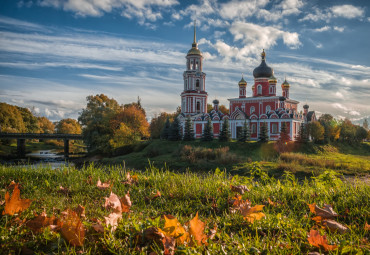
{"x":156,"y":195}
{"x":241,"y":189}
{"x":251,"y":213}
{"x":102,"y":185}
{"x":40,"y":222}
{"x":367,"y":227}
{"x":318,"y":219}
{"x":98,"y":226}
{"x":317,"y":240}
{"x":80,"y":210}
{"x":326,"y":212}
{"x":130,"y":179}
{"x":113,"y":202}
{"x":212,"y":233}
{"x":196,"y":230}
{"x":126,"y":202}
{"x":64,"y":191}
{"x":173,"y":228}
{"x":71,"y":228}
{"x":274,"y":204}
{"x":169,"y":245}
{"x":154,"y":234}
{"x":334,"y":226}
{"x":15,"y":204}
{"x":113,"y":220}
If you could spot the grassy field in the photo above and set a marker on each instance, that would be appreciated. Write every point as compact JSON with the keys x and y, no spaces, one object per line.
{"x":303,"y":160}
{"x":283,"y":230}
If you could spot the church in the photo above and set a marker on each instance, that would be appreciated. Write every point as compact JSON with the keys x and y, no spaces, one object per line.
{"x":263,"y":105}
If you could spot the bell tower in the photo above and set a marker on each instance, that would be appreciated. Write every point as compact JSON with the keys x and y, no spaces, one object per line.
{"x":194,"y":96}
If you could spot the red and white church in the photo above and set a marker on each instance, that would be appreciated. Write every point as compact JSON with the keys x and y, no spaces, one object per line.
{"x":263,"y":106}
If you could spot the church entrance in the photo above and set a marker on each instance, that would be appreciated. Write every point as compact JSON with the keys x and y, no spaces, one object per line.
{"x":238,"y":132}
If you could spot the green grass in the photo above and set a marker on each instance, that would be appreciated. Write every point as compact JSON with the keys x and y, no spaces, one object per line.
{"x":283,"y":231}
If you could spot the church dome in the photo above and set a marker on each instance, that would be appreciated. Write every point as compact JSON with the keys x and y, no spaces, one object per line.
{"x":263,"y":70}
{"x":242,"y":82}
{"x":194,"y":51}
{"x":285,"y":84}
{"x":272,"y":79}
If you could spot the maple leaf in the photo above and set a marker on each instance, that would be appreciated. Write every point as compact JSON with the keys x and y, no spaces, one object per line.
{"x":71,"y":228}
{"x":334,"y":226}
{"x":154,"y":233}
{"x":173,"y":228}
{"x":98,"y":226}
{"x":317,"y":240}
{"x":126,"y":202}
{"x":40,"y":222}
{"x":251,"y":213}
{"x":15,"y":204}
{"x":240,"y":189}
{"x":113,"y":220}
{"x":102,"y":185}
{"x":326,"y":212}
{"x":113,"y":202}
{"x":196,"y":230}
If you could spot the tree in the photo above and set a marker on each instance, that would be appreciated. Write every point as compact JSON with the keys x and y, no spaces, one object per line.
{"x":45,"y":125}
{"x":29,"y":120}
{"x":95,"y":120}
{"x":225,"y":135}
{"x":365,"y":125}
{"x":158,"y":123}
{"x":316,"y":131}
{"x":331,"y":127}
{"x":174,"y":134}
{"x":263,"y":136}
{"x":11,"y":119}
{"x":207,"y":132}
{"x":122,"y":136}
{"x":303,"y":134}
{"x":361,"y":134}
{"x":166,"y":129}
{"x":222,"y":108}
{"x":284,"y":134}
{"x":347,"y":131}
{"x":189,"y":130}
{"x":68,"y":126}
{"x":245,"y":133}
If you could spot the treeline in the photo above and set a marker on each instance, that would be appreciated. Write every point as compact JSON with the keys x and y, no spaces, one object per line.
{"x":15,"y":119}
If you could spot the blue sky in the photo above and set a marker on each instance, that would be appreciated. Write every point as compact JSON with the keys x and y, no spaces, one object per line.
{"x":54,"y":53}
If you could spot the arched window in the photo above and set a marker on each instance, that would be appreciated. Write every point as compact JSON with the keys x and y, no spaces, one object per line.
{"x":198,"y":106}
{"x":252,"y":110}
{"x":254,"y":129}
{"x":259,"y":89}
{"x":268,"y":108}
{"x":197,"y":84}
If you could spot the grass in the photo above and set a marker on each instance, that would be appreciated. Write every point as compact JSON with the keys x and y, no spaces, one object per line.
{"x":283,"y":231}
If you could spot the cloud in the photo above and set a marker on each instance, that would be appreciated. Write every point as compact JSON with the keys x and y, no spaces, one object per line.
{"x":240,"y":9}
{"x":322,"y":29}
{"x":339,"y":29}
{"x":347,"y":11}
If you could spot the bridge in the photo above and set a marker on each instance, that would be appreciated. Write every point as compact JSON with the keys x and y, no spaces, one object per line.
{"x":21,"y":140}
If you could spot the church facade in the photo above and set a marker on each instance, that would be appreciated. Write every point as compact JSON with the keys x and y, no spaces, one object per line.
{"x":262,"y":106}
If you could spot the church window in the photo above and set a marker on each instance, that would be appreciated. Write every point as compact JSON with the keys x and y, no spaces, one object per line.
{"x":253,"y":128}
{"x":252,"y":110}
{"x":197,"y":84}
{"x":259,"y":89}
{"x":274,"y":128}
{"x":198,"y":106}
{"x":268,"y":108}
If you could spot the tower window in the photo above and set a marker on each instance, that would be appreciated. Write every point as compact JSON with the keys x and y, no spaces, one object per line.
{"x":254,"y":128}
{"x":259,"y":89}
{"x":252,"y":110}
{"x":197,"y":84}
{"x":198,"y":106}
{"x":268,"y":108}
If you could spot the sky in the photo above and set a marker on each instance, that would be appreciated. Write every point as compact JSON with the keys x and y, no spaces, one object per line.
{"x":55,"y":53}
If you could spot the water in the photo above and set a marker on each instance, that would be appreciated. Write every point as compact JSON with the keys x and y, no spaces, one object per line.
{"x":47,"y":158}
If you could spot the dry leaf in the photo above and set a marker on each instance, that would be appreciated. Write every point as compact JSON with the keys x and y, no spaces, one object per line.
{"x":251,"y":213}
{"x":173,"y":228}
{"x":326,"y":213}
{"x":80,"y":210}
{"x":169,"y":245}
{"x":212,"y":233}
{"x":367,"y":227}
{"x":334,"y":226}
{"x":156,"y":195}
{"x":196,"y":230}
{"x":240,"y":189}
{"x":40,"y":222}
{"x":126,"y":202}
{"x":318,"y":219}
{"x":113,"y":220}
{"x":15,"y":204}
{"x":64,"y":191}
{"x":130,"y":179}
{"x":71,"y":228}
{"x":317,"y":240}
{"x":113,"y":202}
{"x":98,"y":226}
{"x":154,"y":234}
{"x":274,"y":204}
{"x":102,"y":185}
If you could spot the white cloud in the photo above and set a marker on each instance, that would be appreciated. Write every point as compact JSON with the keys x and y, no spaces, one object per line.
{"x":240,"y":9}
{"x":354,"y":113}
{"x":339,"y":29}
{"x":322,"y":29}
{"x":347,"y":11}
{"x":339,"y":94}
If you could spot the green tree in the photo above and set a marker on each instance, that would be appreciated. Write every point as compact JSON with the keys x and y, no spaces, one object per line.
{"x":316,"y":131}
{"x":95,"y":120}
{"x":122,"y":136}
{"x":29,"y":120}
{"x":303,"y":134}
{"x":166,"y":129}
{"x":225,"y":135}
{"x":361,"y":134}
{"x":207,"y":132}
{"x":188,"y":130}
{"x":68,"y":126}
{"x":175,"y":131}
{"x":331,"y":127}
{"x":45,"y":125}
{"x":158,"y":123}
{"x":284,"y":134}
{"x":347,"y":131}
{"x":244,"y":133}
{"x":263,"y":136}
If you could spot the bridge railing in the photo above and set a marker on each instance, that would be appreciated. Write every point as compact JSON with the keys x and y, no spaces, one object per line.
{"x":40,"y":136}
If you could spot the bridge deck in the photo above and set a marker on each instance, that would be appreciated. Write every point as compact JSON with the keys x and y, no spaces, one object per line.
{"x":40,"y":136}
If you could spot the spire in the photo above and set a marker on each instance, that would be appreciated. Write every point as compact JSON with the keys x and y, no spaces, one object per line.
{"x":195,"y":34}
{"x":263,"y":54}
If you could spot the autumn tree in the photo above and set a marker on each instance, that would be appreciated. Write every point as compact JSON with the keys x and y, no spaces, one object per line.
{"x":158,"y":122}
{"x":263,"y":135}
{"x":29,"y":120}
{"x":45,"y":125}
{"x":316,"y":131}
{"x":347,"y":131}
{"x":188,"y":130}
{"x":68,"y":126}
{"x":96,"y":122}
{"x":225,"y":135}
{"x":222,"y":108}
{"x":175,"y":131}
{"x":331,"y":127}
{"x":207,"y":132}
{"x":244,"y":133}
{"x":11,"y":119}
